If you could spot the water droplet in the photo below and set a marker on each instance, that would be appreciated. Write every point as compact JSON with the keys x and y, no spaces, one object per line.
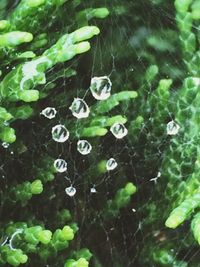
{"x":118,"y":130}
{"x":79,"y":108}
{"x":93,"y":190}
{"x":100,"y":87}
{"x":172,"y":128}
{"x":70,"y":191}
{"x":60,"y":165}
{"x":84,"y":147}
{"x":60,"y":133}
{"x":5,"y":145}
{"x":49,"y":112}
{"x":111,"y":164}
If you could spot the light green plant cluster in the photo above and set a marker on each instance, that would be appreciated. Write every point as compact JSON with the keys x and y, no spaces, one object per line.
{"x":179,"y":169}
{"x":92,"y":214}
{"x":34,"y":239}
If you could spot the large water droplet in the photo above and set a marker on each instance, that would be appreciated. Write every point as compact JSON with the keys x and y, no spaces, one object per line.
{"x":60,"y":133}
{"x":84,"y":147}
{"x":100,"y":87}
{"x":172,"y":128}
{"x":60,"y":165}
{"x":118,"y":130}
{"x":49,"y":112}
{"x":111,"y":164}
{"x":70,"y":191}
{"x":79,"y":108}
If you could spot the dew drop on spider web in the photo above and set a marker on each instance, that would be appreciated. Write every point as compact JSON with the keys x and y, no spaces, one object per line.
{"x":70,"y":191}
{"x":84,"y":147}
{"x":111,"y":164}
{"x":59,"y":133}
{"x":118,"y":130}
{"x":172,"y":128}
{"x":100,"y":87}
{"x":60,"y":165}
{"x":49,"y":112}
{"x":79,"y":108}
{"x":93,"y":190}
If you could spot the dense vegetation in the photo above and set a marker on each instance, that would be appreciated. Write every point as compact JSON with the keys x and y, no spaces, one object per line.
{"x":100,"y":130}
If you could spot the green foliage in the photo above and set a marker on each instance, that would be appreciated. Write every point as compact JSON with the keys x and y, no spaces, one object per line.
{"x":145,"y":210}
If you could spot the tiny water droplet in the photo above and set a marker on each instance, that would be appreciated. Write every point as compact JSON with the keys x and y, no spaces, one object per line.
{"x":93,"y":190}
{"x":79,"y":108}
{"x":49,"y":112}
{"x":59,"y":133}
{"x":172,"y":128}
{"x":70,"y":191}
{"x":111,"y":164}
{"x":100,"y":87}
{"x":84,"y":147}
{"x":60,"y":165}
{"x":5,"y":145}
{"x":118,"y":130}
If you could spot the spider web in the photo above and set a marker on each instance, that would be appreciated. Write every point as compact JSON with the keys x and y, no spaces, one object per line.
{"x":133,"y":37}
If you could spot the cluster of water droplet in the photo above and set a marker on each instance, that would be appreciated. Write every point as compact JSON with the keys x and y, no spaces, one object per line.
{"x":100,"y":88}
